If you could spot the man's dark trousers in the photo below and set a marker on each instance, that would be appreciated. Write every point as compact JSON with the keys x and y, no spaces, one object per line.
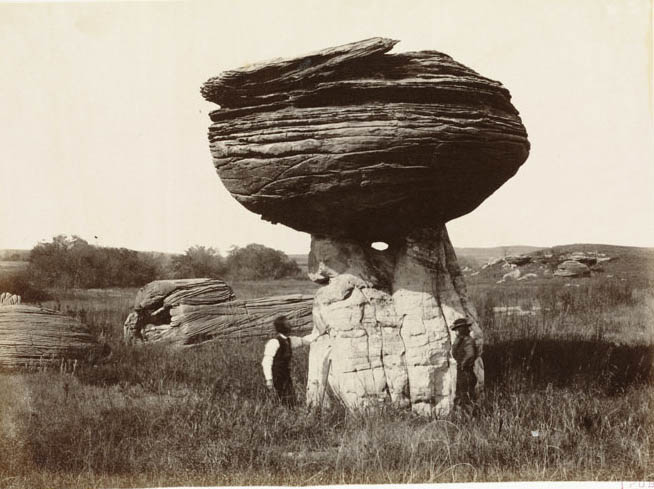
{"x":466,"y":380}
{"x":281,"y":371}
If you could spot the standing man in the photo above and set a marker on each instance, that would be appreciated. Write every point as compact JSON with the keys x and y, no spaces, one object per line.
{"x":464,"y":351}
{"x":277,"y":356}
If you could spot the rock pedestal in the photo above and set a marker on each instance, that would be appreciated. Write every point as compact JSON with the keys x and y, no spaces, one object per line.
{"x":387,"y":316}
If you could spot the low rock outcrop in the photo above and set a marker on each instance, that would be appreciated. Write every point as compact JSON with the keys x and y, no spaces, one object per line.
{"x":572,"y":268}
{"x":512,"y":275}
{"x":192,"y":311}
{"x":32,"y":336}
{"x":518,"y":260}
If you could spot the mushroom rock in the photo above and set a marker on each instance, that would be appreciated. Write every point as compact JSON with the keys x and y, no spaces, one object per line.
{"x":355,"y":145}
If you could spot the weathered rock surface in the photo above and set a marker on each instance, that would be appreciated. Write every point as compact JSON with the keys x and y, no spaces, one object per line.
{"x":192,"y":291}
{"x":528,"y":276}
{"x":387,"y":315}
{"x":193,"y":311}
{"x":354,"y":142}
{"x":581,"y":257}
{"x":518,"y":260}
{"x":572,"y":268}
{"x":154,"y":301}
{"x":31,"y":336}
{"x":192,"y":325}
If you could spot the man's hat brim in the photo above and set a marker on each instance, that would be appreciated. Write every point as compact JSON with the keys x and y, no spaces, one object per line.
{"x":461,"y":323}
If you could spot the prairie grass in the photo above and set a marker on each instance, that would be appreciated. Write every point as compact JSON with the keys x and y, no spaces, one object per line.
{"x":568,"y":396}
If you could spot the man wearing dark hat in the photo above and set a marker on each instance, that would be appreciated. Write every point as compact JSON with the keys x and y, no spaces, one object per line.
{"x":464,"y":351}
{"x":277,"y":356}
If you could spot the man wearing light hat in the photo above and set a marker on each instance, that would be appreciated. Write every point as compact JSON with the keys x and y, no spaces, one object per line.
{"x":464,"y":351}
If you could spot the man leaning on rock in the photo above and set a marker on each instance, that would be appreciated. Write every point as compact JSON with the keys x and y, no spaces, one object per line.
{"x":277,"y":357}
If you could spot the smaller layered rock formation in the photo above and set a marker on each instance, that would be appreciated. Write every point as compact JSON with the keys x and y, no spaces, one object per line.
{"x":189,"y":312}
{"x":518,"y":260}
{"x":512,"y":275}
{"x":32,"y":336}
{"x":572,"y":268}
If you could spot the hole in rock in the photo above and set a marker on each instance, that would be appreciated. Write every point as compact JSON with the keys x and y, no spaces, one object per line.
{"x":379,"y":245}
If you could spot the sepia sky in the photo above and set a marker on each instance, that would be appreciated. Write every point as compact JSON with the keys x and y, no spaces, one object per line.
{"x":103,"y":129}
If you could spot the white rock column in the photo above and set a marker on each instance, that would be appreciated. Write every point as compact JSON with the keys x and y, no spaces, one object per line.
{"x":387,"y":315}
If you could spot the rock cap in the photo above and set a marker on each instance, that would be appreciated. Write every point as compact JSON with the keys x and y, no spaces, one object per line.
{"x":358,"y":143}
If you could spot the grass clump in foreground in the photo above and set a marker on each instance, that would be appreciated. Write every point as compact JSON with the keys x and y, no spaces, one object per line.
{"x":561,"y":403}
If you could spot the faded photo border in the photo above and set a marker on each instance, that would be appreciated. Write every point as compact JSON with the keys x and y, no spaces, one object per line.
{"x":79,"y":137}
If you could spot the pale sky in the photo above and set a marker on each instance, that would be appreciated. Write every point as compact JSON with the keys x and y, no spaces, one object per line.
{"x":104,"y":128}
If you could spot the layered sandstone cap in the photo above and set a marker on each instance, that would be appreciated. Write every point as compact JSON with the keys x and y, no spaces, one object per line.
{"x":354,"y":142}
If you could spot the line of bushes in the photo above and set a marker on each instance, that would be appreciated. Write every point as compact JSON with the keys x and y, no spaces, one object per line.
{"x":70,"y":262}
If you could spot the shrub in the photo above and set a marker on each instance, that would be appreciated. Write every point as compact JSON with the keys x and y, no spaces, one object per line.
{"x":198,"y":262}
{"x":71,"y":262}
{"x":258,"y":262}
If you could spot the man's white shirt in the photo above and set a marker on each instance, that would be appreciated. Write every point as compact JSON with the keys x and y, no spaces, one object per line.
{"x":273,"y":345}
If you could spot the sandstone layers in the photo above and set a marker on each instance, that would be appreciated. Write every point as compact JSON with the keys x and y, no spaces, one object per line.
{"x":355,"y":145}
{"x":354,"y":142}
{"x":31,"y":336}
{"x":189,"y":312}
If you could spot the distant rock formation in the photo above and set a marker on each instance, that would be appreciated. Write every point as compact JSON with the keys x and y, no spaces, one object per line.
{"x":572,"y":268}
{"x":32,"y":336}
{"x":518,"y":260}
{"x":528,"y":276}
{"x":355,"y":146}
{"x":512,"y":275}
{"x":188,"y":312}
{"x":544,"y":264}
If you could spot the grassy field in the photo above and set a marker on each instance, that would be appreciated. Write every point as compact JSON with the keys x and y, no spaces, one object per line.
{"x":569,"y":397}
